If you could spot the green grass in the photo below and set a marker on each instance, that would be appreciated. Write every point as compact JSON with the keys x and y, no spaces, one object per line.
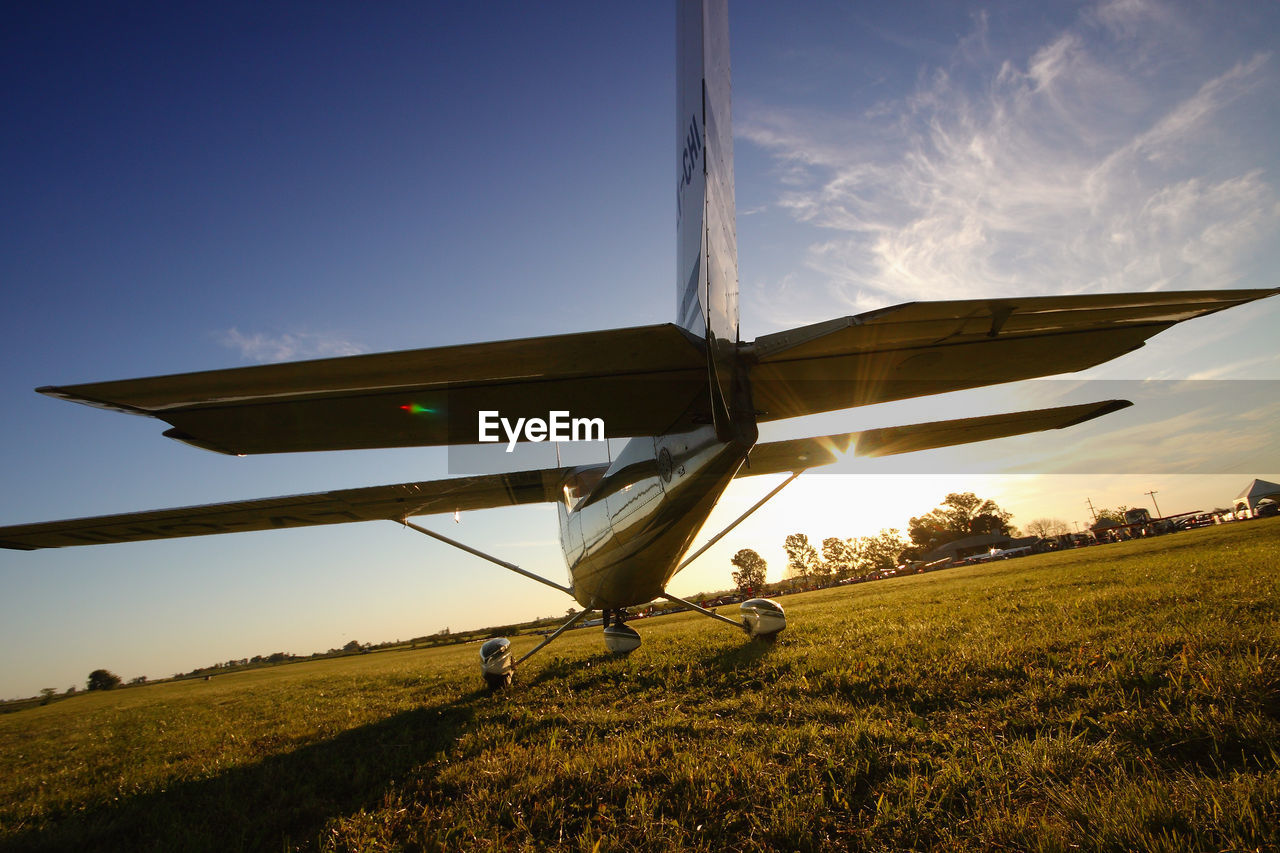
{"x":1124,"y":697}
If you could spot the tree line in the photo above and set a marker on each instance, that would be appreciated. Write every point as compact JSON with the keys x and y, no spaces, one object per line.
{"x":960,"y":515}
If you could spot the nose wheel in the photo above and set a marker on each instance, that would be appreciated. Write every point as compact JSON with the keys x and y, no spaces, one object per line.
{"x":618,"y":638}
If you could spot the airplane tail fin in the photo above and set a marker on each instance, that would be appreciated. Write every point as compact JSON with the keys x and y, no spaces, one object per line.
{"x":707,"y":245}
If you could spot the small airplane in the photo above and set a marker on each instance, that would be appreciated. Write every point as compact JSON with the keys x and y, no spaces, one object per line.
{"x":687,"y":395}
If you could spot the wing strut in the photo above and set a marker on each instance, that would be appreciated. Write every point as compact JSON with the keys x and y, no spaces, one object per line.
{"x":714,"y":539}
{"x":482,"y":555}
{"x":704,"y":611}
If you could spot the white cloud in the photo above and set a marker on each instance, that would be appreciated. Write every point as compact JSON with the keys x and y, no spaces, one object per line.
{"x":1072,"y":166}
{"x":263,"y":348}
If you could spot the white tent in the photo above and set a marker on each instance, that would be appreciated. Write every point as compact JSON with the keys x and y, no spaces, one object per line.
{"x":1257,"y":491}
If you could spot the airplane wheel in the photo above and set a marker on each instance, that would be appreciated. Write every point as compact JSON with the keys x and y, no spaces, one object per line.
{"x":621,"y":639}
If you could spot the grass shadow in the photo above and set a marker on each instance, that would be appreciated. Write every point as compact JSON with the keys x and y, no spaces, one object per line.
{"x":281,"y":801}
{"x":572,"y":670}
{"x":746,"y":656}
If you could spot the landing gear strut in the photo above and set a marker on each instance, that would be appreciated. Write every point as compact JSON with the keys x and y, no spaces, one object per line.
{"x":762,"y":618}
{"x":495,"y":656}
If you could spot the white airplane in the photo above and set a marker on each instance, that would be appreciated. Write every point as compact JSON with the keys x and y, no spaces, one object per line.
{"x":687,"y":395}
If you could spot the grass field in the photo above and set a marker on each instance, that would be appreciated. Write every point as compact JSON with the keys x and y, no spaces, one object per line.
{"x":1124,"y":697}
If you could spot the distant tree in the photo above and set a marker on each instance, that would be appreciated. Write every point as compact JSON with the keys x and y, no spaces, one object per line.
{"x":961,"y":514}
{"x":840,"y":555}
{"x":1047,"y":528}
{"x":821,"y":570}
{"x":802,"y":558}
{"x":141,"y":679}
{"x":47,"y":694}
{"x":751,"y":570}
{"x":992,"y":524}
{"x":928,"y":533}
{"x":102,"y":679}
{"x":352,"y":646}
{"x":1116,"y":515}
{"x":879,"y":552}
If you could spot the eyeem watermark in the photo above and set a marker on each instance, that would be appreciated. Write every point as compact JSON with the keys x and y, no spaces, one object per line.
{"x":558,"y":426}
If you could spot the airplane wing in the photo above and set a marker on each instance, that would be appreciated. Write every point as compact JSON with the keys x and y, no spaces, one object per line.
{"x":421,"y":397}
{"x":645,"y":380}
{"x":485,"y":491}
{"x":921,"y":348}
{"x":800,"y":453}
{"x":373,"y":503}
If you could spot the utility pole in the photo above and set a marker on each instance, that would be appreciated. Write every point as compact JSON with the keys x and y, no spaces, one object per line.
{"x":1153,"y":494}
{"x":1089,"y":501}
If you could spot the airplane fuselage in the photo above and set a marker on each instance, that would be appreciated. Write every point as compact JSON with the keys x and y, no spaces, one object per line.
{"x":625,"y":526}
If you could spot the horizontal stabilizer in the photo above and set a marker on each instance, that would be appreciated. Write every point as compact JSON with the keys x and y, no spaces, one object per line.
{"x":796,"y":454}
{"x":922,"y":348}
{"x":373,"y":503}
{"x":422,"y":397}
{"x":801,"y":453}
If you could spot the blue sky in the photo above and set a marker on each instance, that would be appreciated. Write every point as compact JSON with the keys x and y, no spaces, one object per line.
{"x":197,"y":188}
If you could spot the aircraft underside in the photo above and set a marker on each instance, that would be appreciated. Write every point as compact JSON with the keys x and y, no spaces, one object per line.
{"x":624,"y":542}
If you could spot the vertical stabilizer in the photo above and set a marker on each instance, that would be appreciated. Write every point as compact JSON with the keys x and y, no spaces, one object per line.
{"x":707,"y":249}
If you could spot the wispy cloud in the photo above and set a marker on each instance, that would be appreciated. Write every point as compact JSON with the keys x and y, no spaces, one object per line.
{"x":1243,"y":369}
{"x":264,"y":348}
{"x":1079,"y":164}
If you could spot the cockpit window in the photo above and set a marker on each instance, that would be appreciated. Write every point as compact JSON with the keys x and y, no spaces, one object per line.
{"x":578,"y":486}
